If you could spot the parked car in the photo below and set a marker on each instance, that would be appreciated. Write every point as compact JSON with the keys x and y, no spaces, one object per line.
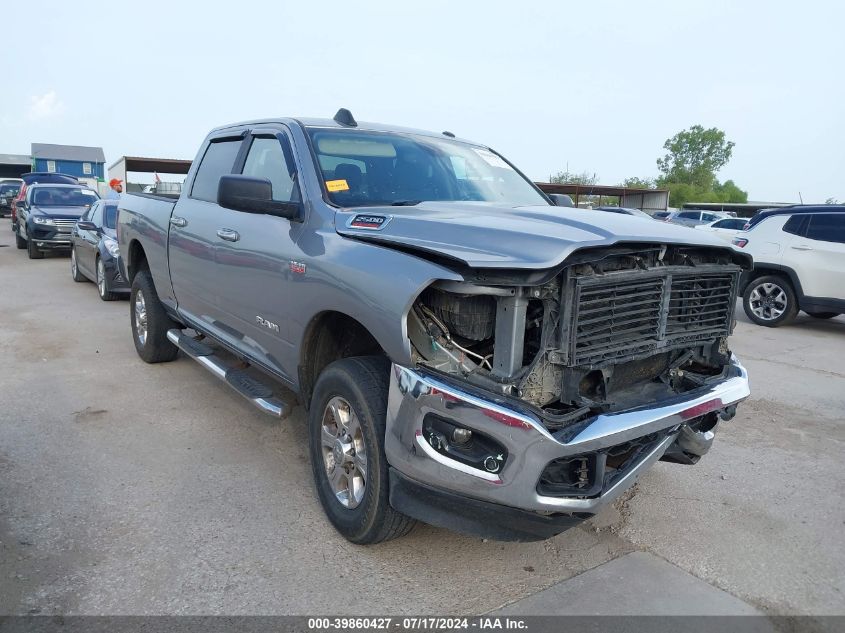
{"x":34,"y":178}
{"x":47,"y":215}
{"x":799,"y":264}
{"x":468,"y":355}
{"x":725,"y":228}
{"x":694,"y":217}
{"x":661,"y":215}
{"x":624,"y":211}
{"x":8,"y":192}
{"x":94,"y":253}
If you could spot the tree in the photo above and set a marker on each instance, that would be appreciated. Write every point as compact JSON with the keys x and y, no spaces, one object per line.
{"x":570,"y":178}
{"x":639,"y":183}
{"x":831,"y":201}
{"x":694,"y":156}
{"x":729,"y":192}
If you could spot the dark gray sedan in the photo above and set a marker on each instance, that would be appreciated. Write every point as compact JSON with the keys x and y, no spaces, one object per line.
{"x":94,"y":251}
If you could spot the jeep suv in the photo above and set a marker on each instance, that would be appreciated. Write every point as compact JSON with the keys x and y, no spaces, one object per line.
{"x":799,"y":264}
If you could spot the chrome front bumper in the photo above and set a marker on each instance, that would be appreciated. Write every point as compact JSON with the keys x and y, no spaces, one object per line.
{"x":415,"y":393}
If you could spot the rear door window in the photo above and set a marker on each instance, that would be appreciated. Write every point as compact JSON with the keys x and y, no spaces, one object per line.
{"x":218,"y":160}
{"x":690,"y":215}
{"x":827,"y":227}
{"x":796,"y":225}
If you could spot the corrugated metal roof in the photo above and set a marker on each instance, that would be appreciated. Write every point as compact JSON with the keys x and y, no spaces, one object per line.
{"x":15,"y":159}
{"x":78,"y":153}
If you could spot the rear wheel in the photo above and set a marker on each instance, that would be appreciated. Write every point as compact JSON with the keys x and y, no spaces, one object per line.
{"x":102,"y":282}
{"x":19,"y":241}
{"x":74,"y":268}
{"x":823,"y":315}
{"x":346,"y":441}
{"x":150,"y":322}
{"x":770,"y":301}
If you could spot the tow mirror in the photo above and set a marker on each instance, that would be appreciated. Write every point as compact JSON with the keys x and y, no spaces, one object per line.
{"x":84,"y":225}
{"x":561,"y":200}
{"x":253,"y":195}
{"x":20,"y":204}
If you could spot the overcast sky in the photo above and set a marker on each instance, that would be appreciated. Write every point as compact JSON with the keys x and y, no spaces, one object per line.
{"x":595,"y":85}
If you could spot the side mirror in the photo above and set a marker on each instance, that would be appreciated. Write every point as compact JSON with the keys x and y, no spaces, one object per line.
{"x":84,"y":225}
{"x":20,"y":204}
{"x":253,"y":195}
{"x":561,"y":200}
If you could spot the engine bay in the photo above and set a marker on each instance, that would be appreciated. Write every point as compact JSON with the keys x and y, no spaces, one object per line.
{"x":613,"y":329}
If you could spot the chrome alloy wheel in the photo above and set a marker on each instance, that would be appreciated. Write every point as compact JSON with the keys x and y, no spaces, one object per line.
{"x":768,"y":301}
{"x":344,"y":452}
{"x":101,"y":283}
{"x":140,"y":310}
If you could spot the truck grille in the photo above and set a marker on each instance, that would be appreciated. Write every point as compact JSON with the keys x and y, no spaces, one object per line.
{"x":630,"y":315}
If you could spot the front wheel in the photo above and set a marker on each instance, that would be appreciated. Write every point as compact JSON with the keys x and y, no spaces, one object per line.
{"x":19,"y":241}
{"x":32,"y":251}
{"x":770,"y":301}
{"x":103,"y":284}
{"x":346,"y":439}
{"x":150,"y":322}
{"x":74,"y":267}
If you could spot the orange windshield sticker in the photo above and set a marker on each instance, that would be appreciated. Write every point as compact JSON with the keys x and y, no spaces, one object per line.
{"x":337,"y":185}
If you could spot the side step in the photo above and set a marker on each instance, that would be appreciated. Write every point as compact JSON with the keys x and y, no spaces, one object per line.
{"x":256,"y":392}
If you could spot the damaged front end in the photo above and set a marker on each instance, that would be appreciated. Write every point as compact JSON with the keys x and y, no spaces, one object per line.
{"x":551,"y":393}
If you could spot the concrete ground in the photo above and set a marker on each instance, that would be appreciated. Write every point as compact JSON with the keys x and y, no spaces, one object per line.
{"x":127,"y":488}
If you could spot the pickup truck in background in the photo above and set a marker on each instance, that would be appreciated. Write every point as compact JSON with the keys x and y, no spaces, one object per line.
{"x":468,"y":354}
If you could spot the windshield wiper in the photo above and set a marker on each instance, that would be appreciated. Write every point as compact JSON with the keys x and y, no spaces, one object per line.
{"x":405,"y":203}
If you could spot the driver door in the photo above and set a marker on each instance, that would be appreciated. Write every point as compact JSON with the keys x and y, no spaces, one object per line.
{"x":254,"y":254}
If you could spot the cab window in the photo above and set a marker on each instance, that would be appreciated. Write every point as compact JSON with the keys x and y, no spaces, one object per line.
{"x":218,"y":160}
{"x":267,"y":159}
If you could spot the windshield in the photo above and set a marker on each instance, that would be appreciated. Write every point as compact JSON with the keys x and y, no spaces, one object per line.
{"x":8,"y":191}
{"x":110,"y":216}
{"x":378,"y":168}
{"x":63,"y":197}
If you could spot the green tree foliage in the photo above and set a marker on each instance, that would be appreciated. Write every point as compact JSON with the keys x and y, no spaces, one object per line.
{"x":639,"y":183}
{"x":570,"y":178}
{"x":694,"y":156}
{"x":681,"y":192}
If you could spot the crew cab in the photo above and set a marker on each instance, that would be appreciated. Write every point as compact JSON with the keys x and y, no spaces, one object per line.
{"x":47,"y":215}
{"x":468,"y":354}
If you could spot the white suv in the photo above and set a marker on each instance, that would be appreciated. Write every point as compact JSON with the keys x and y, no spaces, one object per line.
{"x":799,"y":264}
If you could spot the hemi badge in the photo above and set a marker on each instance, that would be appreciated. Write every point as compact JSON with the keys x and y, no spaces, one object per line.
{"x":371,"y":222}
{"x":297,"y":267}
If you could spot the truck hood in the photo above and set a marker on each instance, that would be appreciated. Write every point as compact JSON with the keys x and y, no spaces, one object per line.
{"x":485,"y":235}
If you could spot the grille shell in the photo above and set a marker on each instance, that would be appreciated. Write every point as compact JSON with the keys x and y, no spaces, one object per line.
{"x":633,"y":314}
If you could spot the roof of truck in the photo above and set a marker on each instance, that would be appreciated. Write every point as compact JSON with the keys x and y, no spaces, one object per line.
{"x":331,"y":123}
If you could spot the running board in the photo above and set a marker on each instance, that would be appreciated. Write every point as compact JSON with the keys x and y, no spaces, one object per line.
{"x":256,"y":392}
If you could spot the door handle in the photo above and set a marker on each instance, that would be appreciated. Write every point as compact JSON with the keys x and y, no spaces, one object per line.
{"x":177,"y":221}
{"x":802,"y":248}
{"x":228,"y":234}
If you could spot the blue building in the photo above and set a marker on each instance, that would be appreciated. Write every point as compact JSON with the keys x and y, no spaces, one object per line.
{"x":86,"y":163}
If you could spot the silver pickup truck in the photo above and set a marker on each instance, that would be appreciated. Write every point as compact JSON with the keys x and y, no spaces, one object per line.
{"x":469,"y":354}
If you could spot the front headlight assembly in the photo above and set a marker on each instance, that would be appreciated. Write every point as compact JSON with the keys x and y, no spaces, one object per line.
{"x":39,"y":220}
{"x":111,"y":246}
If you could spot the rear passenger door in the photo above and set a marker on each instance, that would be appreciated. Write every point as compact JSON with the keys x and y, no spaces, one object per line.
{"x":817,"y":254}
{"x":254,"y":255}
{"x":193,"y":235}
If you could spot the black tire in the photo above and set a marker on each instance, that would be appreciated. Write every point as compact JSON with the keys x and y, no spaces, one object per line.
{"x":32,"y":251}
{"x":154,"y":347}
{"x":781,"y":311}
{"x":19,"y":241}
{"x":103,"y":285}
{"x":363,"y":383}
{"x":823,"y":315}
{"x":75,"y":273}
